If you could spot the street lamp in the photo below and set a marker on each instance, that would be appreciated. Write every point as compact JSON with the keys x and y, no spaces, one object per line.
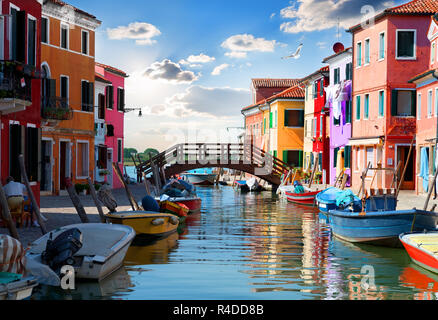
{"x":140,"y":114}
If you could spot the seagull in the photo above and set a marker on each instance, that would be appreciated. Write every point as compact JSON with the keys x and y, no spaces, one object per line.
{"x":297,"y":54}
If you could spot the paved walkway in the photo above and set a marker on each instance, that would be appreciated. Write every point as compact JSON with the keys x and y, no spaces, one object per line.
{"x":60,"y":211}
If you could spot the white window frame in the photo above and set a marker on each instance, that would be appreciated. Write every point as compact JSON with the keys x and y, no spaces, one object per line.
{"x":357,"y":55}
{"x":88,"y":42}
{"x":88,"y":158}
{"x":48,"y":29}
{"x":30,"y":17}
{"x":415,"y":44}
{"x":367,"y":40}
{"x":63,"y":24}
{"x":384,"y":44}
{"x":121,"y":150}
{"x":384,"y":105}
{"x":11,"y":6}
{"x":429,"y":103}
{"x":419,"y":101}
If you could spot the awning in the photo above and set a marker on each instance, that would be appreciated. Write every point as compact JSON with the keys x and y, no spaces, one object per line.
{"x":365,"y":142}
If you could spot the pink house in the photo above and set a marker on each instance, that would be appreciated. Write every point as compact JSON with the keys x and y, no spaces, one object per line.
{"x":427,"y":113}
{"x":114,"y":119}
{"x":386,"y":56}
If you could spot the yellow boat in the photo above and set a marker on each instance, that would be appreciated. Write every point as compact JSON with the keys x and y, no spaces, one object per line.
{"x":144,"y":223}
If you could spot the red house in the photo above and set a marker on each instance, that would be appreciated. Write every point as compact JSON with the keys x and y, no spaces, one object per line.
{"x":20,"y":89}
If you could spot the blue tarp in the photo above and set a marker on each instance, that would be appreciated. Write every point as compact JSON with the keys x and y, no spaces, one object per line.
{"x":424,"y":168}
{"x":337,"y":196}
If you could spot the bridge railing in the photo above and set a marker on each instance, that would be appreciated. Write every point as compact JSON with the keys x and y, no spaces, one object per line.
{"x":215,"y":154}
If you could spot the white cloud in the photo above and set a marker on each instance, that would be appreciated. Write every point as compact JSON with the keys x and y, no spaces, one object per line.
{"x":169,"y":71}
{"x":141,"y":32}
{"x":218,"y":102}
{"x":272,"y":15}
{"x":239,"y":45}
{"x":329,"y":13}
{"x":217,"y":71}
{"x":321,"y":44}
{"x":197,"y":60}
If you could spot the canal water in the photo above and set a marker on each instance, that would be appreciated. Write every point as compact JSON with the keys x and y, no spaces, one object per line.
{"x":255,"y":246}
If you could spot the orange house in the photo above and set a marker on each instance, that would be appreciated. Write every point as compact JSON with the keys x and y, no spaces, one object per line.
{"x":68,"y":63}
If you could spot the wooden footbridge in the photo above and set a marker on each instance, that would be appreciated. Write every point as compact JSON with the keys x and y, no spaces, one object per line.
{"x":241,"y":157}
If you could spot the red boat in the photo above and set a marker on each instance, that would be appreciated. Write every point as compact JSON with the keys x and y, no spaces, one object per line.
{"x":307,"y":198}
{"x":422,"y":248}
{"x":193,"y":203}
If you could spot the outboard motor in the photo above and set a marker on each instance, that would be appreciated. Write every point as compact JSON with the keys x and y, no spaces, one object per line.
{"x":60,"y":252}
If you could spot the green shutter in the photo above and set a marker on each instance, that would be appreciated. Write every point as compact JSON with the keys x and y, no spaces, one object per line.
{"x":367,"y":107}
{"x":381,"y":103}
{"x":275,"y":153}
{"x":347,"y":157}
{"x":270,"y":120}
{"x":285,"y":156}
{"x":264,"y":125}
{"x":286,"y":118}
{"x":301,"y":123}
{"x":394,"y":96}
{"x":300,"y":159}
{"x":336,"y":150}
{"x":414,"y":104}
{"x":348,"y":112}
{"x":358,"y":107}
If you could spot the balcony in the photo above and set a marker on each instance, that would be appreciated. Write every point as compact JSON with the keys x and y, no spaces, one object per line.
{"x":56,"y":108}
{"x":15,"y":86}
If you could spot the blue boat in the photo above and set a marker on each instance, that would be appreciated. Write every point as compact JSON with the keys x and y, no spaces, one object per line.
{"x":380,"y":227}
{"x":335,"y":199}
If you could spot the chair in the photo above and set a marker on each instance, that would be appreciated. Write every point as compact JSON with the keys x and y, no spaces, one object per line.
{"x":20,"y":215}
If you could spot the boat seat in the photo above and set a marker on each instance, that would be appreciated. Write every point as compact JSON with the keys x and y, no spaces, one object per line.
{"x":99,"y":242}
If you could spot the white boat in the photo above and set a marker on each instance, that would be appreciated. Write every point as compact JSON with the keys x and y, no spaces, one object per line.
{"x":253,"y":184}
{"x":103,"y":250}
{"x":283,"y":189}
{"x":18,"y":290}
{"x":201,"y":179}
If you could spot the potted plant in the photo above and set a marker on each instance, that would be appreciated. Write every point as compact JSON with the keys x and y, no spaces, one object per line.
{"x":79,"y":187}
{"x":103,"y":172}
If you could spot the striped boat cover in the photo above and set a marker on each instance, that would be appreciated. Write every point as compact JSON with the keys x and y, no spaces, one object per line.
{"x":12,"y":255}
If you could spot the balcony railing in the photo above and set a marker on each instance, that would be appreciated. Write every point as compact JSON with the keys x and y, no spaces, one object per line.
{"x":56,"y":108}
{"x":16,"y":80}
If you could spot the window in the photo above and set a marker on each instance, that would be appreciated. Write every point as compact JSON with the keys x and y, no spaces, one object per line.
{"x":419,"y":107}
{"x":335,"y":157}
{"x":31,"y":42}
{"x":271,"y":122}
{"x":85,"y":42}
{"x":403,"y":103}
{"x":358,"y":159}
{"x":433,"y":53}
{"x":82,"y":159}
{"x":381,"y":103}
{"x":367,"y":107}
{"x":18,"y":35}
{"x":436,"y":102}
{"x":294,"y":158}
{"x":87,"y":96}
{"x":120,"y":99}
{"x":119,"y":151}
{"x":348,"y":111}
{"x":264,"y":125}
{"x":337,"y":76}
{"x":320,"y":126}
{"x":358,"y":102}
{"x":32,"y":141}
{"x":429,"y":103}
{"x":315,"y":90}
{"x":369,"y":157}
{"x":109,"y":94}
{"x":347,"y":157}
{"x":336,"y":122}
{"x":314,"y":127}
{"x":64,"y":36}
{"x":367,"y":51}
{"x":406,"y":44}
{"x":321,"y":87}
{"x":101,"y":108}
{"x":15,"y":149}
{"x":382,"y":46}
{"x":349,"y":71}
{"x":307,"y":91}
{"x":64,"y":88}
{"x":293,"y":118}
{"x":44,"y":30}
{"x":359,"y":54}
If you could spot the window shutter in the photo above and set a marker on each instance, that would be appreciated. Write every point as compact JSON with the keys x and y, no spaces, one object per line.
{"x":122,"y":91}
{"x":111,"y":97}
{"x":286,"y":118}
{"x":91,"y":95}
{"x":51,"y":87}
{"x":414,"y":103}
{"x":270,"y":120}
{"x":335,"y":154}
{"x":285,"y":156}
{"x":394,"y":96}
{"x":21,"y":36}
{"x":347,"y":156}
{"x":301,"y":122}
{"x":300,"y":159}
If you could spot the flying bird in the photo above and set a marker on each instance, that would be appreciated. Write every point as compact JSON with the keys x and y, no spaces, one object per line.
{"x":297,"y":53}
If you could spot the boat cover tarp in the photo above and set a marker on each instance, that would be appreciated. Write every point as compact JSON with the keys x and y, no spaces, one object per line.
{"x":345,"y":198}
{"x":12,"y":255}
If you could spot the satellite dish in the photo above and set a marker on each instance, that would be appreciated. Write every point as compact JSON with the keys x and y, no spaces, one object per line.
{"x":338,"y":47}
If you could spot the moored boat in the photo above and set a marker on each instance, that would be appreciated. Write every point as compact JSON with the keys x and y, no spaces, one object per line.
{"x":103,"y":248}
{"x":334,"y":199}
{"x":146,"y":224}
{"x":306,"y":198}
{"x":178,"y":209}
{"x":422,"y":249}
{"x":379,"y":227}
{"x":201,"y":179}
{"x":14,"y":287}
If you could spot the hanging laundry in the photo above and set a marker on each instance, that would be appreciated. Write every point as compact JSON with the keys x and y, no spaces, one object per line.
{"x":424,"y":169}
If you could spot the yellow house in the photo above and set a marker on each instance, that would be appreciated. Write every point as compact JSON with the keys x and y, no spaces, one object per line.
{"x":283,"y":125}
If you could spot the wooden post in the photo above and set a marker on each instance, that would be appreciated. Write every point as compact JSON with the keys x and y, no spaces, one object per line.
{"x":41,"y":219}
{"x":146,"y":184}
{"x":131,"y":199}
{"x":394,"y":181}
{"x":344,"y":182}
{"x":234,"y":181}
{"x":314,"y":170}
{"x":285,"y":180}
{"x":364,"y":174}
{"x":96,"y":200}
{"x":429,"y":194}
{"x":163,"y":174}
{"x":6,"y":214}
{"x":402,"y":179}
{"x":76,"y":201}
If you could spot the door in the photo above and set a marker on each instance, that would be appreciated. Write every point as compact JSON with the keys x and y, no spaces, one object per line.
{"x":110,"y":169}
{"x":46,"y":165}
{"x":62,"y":164}
{"x":409,"y":179}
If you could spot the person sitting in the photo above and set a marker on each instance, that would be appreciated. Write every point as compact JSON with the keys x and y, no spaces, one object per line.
{"x":298,"y":187}
{"x":14,"y":192}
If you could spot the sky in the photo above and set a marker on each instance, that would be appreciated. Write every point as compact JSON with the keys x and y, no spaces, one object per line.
{"x":190,"y":62}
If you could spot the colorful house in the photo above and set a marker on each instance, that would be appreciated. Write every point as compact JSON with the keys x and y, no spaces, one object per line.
{"x":114,"y":119}
{"x":68,"y":63}
{"x":20,"y":89}
{"x":319,"y":132}
{"x":385,"y":57}
{"x":339,"y":105}
{"x":427,"y":113}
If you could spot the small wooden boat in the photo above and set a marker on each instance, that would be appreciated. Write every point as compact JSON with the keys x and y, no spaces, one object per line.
{"x":193,"y":202}
{"x":201,"y":179}
{"x":326,"y":199}
{"x":146,"y":224}
{"x":14,"y":287}
{"x":306,"y":198}
{"x":178,"y":209}
{"x":422,"y":249}
{"x":379,"y":227}
{"x":104,"y":247}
